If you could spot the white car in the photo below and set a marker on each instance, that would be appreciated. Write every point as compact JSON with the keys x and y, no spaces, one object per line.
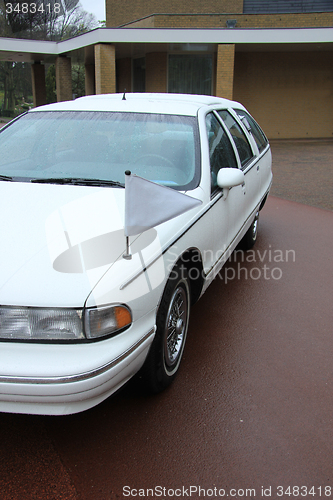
{"x":92,"y":292}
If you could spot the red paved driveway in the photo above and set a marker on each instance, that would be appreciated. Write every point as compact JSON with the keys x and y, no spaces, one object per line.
{"x":252,"y":406}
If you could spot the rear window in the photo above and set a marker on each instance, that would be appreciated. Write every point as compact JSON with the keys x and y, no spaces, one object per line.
{"x":102,"y":146}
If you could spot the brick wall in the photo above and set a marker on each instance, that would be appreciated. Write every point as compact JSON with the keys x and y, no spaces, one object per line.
{"x":64,"y":79}
{"x":312,"y":20}
{"x":105,"y":68}
{"x":225,"y":70}
{"x":119,"y":12}
{"x":289,"y":93}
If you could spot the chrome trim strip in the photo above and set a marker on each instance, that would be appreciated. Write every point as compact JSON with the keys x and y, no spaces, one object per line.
{"x":232,"y":242}
{"x":76,"y":378}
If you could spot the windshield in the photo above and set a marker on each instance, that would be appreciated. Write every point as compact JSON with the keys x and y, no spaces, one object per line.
{"x":52,"y":145}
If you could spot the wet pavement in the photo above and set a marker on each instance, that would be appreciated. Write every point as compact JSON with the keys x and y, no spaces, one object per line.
{"x":251,"y":412}
{"x":303,"y":171}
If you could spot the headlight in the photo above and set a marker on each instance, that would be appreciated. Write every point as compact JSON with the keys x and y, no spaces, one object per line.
{"x":34,"y":323}
{"x":106,"y":320}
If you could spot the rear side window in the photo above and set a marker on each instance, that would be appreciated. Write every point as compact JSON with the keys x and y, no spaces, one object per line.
{"x":240,"y":139}
{"x":256,"y":131}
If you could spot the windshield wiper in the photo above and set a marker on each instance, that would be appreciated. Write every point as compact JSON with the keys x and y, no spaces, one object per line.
{"x":78,"y":181}
{"x":5,"y":178}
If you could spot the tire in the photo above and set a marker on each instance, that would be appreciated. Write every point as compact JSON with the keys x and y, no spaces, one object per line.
{"x":250,"y":237}
{"x":172,"y":320}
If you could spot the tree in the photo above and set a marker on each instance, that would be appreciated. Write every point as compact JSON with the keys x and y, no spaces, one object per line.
{"x":16,"y":83}
{"x":45,"y":19}
{"x":50,"y":84}
{"x":7,"y":77}
{"x":73,"y":23}
{"x":40,"y":20}
{"x":78,"y":77}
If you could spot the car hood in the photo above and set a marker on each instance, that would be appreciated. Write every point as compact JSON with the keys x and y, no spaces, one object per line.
{"x":49,"y":237}
{"x":59,"y":241}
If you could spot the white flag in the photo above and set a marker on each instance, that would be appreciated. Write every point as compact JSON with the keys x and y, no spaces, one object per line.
{"x":148,"y":204}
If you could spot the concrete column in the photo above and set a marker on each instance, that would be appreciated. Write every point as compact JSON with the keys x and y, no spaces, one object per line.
{"x":225,"y":70}
{"x":105,"y":68}
{"x":89,"y":79}
{"x":156,"y":72}
{"x":64,"y":79}
{"x":38,"y":83}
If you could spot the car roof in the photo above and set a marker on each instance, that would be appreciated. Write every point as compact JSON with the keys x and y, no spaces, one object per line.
{"x":175,"y":104}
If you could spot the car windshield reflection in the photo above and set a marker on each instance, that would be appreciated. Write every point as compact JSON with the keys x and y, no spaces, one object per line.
{"x":100,"y":146}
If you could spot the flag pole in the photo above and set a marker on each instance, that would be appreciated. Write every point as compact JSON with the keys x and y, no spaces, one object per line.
{"x":127,"y":255}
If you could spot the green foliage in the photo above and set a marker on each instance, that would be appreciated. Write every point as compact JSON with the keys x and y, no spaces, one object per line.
{"x":15,"y":78}
{"x":50,"y":83}
{"x":78,"y":79}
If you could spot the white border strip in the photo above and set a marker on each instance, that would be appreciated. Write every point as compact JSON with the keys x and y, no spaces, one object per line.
{"x":172,"y":35}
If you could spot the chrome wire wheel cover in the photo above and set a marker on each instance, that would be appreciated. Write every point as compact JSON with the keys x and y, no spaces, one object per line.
{"x":255,"y":227}
{"x":176,"y":327}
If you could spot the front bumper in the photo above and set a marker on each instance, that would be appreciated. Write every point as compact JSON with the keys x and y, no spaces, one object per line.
{"x":62,"y":379}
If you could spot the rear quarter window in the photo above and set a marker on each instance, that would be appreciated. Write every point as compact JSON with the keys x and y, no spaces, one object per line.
{"x":258,"y":134}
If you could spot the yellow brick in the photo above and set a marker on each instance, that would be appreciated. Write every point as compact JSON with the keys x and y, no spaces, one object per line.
{"x":225,"y":70}
{"x":64,"y":79}
{"x":105,"y":68}
{"x":120,"y":12}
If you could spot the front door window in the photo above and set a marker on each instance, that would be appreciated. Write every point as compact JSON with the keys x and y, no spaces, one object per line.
{"x":221,"y":153}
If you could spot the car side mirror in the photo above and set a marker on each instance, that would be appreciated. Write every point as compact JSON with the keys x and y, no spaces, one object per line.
{"x":230,"y":177}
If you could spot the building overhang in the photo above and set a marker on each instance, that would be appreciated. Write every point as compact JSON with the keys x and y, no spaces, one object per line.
{"x":127,"y":41}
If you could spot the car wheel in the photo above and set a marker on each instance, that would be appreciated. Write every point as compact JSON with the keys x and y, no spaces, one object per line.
{"x":171,"y":330}
{"x":250,"y":236}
